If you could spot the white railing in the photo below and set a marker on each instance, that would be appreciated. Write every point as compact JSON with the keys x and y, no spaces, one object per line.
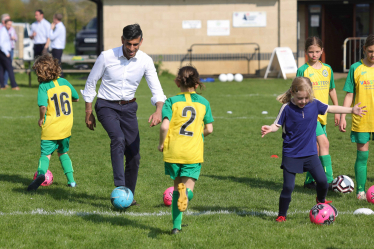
{"x":352,"y":51}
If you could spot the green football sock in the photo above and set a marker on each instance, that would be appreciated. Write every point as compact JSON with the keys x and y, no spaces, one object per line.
{"x":43,"y":165}
{"x":327,"y":166}
{"x":176,"y":214}
{"x":189,"y":194}
{"x":67,"y":167}
{"x":361,"y":170}
{"x":308,"y":178}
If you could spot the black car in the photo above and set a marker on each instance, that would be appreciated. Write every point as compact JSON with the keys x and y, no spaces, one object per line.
{"x":86,"y":39}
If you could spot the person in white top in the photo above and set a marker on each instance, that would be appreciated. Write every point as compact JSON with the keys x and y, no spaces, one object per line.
{"x":121,"y":70}
{"x":57,"y":36}
{"x":5,"y":61}
{"x":14,"y":38}
{"x":40,"y":33}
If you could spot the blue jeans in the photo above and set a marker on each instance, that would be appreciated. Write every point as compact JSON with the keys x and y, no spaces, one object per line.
{"x":6,"y":75}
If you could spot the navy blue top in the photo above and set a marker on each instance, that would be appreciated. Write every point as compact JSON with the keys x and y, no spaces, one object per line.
{"x":299,"y":128}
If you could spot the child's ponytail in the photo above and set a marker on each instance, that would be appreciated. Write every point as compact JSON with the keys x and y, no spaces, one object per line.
{"x":298,"y":84}
{"x":285,"y":97}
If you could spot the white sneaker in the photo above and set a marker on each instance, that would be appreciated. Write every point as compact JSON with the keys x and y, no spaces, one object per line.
{"x":361,"y":195}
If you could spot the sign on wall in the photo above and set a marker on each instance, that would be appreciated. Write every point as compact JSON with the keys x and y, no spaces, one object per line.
{"x":281,"y":61}
{"x":218,"y":27}
{"x":249,"y":19}
{"x":191,"y":24}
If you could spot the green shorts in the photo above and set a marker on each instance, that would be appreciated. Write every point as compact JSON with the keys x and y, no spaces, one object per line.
{"x":187,"y":170}
{"x":321,"y":129}
{"x":361,"y":137}
{"x":47,"y":147}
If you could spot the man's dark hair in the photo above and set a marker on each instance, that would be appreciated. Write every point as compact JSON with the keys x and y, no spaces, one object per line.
{"x":7,"y":20}
{"x":40,"y":11}
{"x":132,"y":31}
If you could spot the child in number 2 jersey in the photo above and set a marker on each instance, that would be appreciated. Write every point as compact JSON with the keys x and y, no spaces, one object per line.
{"x":187,"y":119}
{"x":55,"y":97}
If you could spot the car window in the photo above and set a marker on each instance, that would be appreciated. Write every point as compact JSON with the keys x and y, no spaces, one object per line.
{"x":92,"y":24}
{"x":25,"y":33}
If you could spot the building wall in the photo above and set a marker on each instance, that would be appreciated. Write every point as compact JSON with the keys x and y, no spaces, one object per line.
{"x":161,"y":23}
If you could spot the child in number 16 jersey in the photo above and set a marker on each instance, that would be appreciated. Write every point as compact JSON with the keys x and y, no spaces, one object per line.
{"x":187,"y":119}
{"x":55,"y":97}
{"x":322,"y":78}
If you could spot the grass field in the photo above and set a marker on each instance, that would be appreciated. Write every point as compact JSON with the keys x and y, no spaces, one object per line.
{"x":235,"y":200}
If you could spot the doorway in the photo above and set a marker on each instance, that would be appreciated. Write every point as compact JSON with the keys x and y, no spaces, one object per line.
{"x":338,"y":26}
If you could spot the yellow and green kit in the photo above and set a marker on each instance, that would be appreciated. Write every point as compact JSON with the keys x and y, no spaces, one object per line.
{"x":322,"y":81}
{"x":360,"y":82}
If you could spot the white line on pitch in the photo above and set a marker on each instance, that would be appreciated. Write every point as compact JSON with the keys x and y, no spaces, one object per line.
{"x":161,"y":213}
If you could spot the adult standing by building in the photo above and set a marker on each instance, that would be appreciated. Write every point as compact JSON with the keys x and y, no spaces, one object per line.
{"x":40,"y":33}
{"x":5,"y":62}
{"x":13,"y":36}
{"x":121,"y":70}
{"x":57,"y":37}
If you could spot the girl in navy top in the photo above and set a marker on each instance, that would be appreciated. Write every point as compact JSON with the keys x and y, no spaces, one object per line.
{"x":298,"y":117}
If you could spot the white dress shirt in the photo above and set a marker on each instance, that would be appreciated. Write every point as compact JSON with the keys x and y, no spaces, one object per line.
{"x":58,"y":36}
{"x":5,"y":41}
{"x":120,"y":77}
{"x":42,"y":29}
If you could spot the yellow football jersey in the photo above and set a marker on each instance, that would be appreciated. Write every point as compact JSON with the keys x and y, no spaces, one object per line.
{"x":322,"y":80}
{"x":57,"y":97}
{"x":188,"y":113}
{"x":360,"y":81}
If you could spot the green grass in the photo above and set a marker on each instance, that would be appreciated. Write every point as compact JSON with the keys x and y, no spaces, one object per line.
{"x":239,"y":184}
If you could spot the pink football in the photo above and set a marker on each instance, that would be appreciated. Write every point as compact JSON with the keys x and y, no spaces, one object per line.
{"x":168,"y":196}
{"x":322,"y":214}
{"x":48,"y":178}
{"x":370,"y":194}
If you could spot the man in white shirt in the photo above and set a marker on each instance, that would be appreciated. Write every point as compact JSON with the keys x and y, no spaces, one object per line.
{"x":57,"y":36}
{"x":40,"y":33}
{"x":5,"y":61}
{"x":121,"y":70}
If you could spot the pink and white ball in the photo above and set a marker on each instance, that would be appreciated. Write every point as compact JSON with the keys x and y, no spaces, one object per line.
{"x":322,"y":214}
{"x":48,"y":178}
{"x":370,"y":194}
{"x":168,"y":196}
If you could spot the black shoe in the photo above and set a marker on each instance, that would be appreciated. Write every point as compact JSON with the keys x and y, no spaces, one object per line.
{"x":36,"y":183}
{"x":311,"y":185}
{"x":176,"y":231}
{"x":134,"y":203}
{"x":330,"y":186}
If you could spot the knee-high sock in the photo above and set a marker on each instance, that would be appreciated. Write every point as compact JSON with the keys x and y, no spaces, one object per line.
{"x":67,"y":166}
{"x":43,"y":165}
{"x":189,"y":194}
{"x":175,"y":213}
{"x":327,"y":166}
{"x":308,"y":178}
{"x":361,"y":170}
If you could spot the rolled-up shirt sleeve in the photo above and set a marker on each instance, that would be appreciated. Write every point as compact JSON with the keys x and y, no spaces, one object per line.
{"x":154,"y":83}
{"x":96,"y":73}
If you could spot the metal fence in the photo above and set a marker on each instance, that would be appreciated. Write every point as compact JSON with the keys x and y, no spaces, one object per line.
{"x":221,"y":57}
{"x":352,"y":51}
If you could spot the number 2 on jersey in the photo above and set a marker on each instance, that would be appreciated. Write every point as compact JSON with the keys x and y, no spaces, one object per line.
{"x":190,"y":121}
{"x":65,"y":104}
